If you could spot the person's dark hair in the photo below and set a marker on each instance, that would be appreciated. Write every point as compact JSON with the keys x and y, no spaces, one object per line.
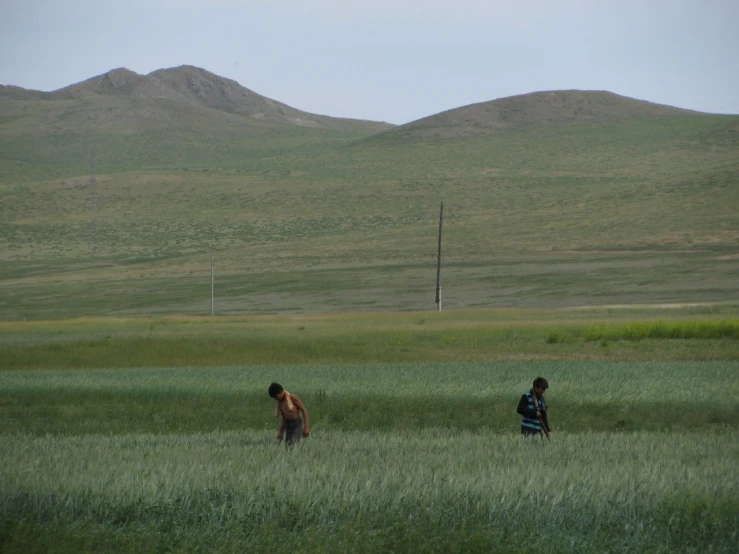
{"x":541,"y":383}
{"x":275,"y":389}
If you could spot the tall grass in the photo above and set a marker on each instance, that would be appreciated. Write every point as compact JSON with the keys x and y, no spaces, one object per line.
{"x":636,"y":331}
{"x":585,"y":397}
{"x":402,"y":457}
{"x":652,"y":491}
{"x":609,"y":382}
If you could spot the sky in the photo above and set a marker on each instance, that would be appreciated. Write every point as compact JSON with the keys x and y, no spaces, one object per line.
{"x":389,"y":60}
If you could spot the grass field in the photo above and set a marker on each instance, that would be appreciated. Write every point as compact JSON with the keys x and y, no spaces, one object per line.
{"x":596,"y":244}
{"x":436,"y":491}
{"x":106,"y":447}
{"x":692,"y":332}
{"x":294,"y":283}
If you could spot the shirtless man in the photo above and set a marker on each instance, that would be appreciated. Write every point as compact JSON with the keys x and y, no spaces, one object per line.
{"x":289,"y":406}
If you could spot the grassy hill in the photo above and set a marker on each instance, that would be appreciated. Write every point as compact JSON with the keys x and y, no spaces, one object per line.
{"x":170,"y":118}
{"x":551,"y":199}
{"x":199,"y":87}
{"x":539,"y":110}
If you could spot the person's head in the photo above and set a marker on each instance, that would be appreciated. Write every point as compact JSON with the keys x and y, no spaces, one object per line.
{"x":275,"y":391}
{"x":540,"y":385}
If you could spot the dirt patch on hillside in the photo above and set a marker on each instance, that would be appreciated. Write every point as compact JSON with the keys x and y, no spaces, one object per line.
{"x":623,"y":252}
{"x":668,"y":306}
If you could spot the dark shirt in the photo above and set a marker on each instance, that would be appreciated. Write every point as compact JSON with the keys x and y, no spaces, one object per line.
{"x":527,"y":409}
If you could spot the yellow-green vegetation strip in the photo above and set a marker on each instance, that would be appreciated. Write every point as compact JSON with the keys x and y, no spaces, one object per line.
{"x":364,"y":338}
{"x":718,"y":329}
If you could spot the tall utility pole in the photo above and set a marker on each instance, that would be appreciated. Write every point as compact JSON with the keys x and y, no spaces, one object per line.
{"x":212,"y":286}
{"x":438,"y":260}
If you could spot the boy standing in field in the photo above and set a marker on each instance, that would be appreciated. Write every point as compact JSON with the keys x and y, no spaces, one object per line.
{"x":534,"y":410}
{"x":289,"y":406}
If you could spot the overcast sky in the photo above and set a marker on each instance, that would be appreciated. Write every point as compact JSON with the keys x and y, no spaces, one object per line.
{"x":389,"y":60}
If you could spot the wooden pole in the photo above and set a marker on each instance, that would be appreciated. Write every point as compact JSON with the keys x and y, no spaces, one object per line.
{"x":438,"y":261}
{"x":212,"y":286}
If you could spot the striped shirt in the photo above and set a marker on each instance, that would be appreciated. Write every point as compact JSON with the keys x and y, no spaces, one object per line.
{"x":527,"y":408}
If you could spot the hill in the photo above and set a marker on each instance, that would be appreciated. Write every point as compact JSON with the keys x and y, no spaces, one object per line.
{"x":199,"y":87}
{"x":551,"y":199}
{"x":538,"y":110}
{"x":169,"y":118}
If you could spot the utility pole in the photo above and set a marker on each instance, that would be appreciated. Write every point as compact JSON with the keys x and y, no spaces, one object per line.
{"x":438,"y":261}
{"x":212,"y":286}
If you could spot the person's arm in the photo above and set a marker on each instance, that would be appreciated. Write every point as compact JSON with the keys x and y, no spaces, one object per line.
{"x":281,"y":432}
{"x":301,"y":407}
{"x":545,"y":422}
{"x":524,"y":410}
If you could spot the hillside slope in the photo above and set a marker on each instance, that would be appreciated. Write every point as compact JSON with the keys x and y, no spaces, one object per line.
{"x":546,"y":203}
{"x":544,"y":109}
{"x":169,"y":118}
{"x":200,"y":87}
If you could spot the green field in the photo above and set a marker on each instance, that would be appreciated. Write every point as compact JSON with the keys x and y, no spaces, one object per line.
{"x":156,"y":434}
{"x":588,"y":238}
{"x":693,"y":332}
{"x":369,"y":491}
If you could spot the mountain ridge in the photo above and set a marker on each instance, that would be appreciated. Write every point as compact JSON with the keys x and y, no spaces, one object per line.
{"x":552,"y":108}
{"x":193,"y":85}
{"x":188,"y":117}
